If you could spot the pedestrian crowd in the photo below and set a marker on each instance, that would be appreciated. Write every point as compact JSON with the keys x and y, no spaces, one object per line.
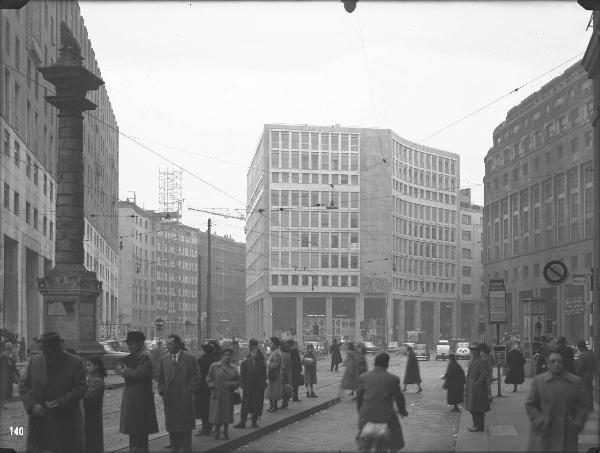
{"x":63,"y":393}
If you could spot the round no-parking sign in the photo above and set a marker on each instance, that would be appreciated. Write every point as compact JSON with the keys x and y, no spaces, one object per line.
{"x":555,"y":272}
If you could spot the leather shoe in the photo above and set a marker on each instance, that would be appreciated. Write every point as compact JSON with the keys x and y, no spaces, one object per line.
{"x":473,"y":429}
{"x":240,"y":425}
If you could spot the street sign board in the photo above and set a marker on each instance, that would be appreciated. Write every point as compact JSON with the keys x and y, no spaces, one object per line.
{"x":500,"y":354}
{"x":497,"y":302}
{"x":578,"y":279}
{"x":574,"y":305}
{"x":159,"y":323}
{"x":555,"y":272}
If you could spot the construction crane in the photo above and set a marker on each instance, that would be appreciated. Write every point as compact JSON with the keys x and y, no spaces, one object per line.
{"x":239,"y":216}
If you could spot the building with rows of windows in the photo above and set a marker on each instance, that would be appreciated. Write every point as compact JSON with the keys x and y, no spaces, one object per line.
{"x":351,"y":232}
{"x":539,"y":204}
{"x":29,"y":39}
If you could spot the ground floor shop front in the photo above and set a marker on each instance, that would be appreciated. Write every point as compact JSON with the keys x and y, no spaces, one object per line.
{"x":359,"y":317}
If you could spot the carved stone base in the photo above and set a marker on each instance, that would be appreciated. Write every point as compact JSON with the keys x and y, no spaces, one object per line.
{"x":70,"y":298}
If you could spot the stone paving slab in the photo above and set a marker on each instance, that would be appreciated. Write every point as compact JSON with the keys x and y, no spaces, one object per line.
{"x":507,"y":426}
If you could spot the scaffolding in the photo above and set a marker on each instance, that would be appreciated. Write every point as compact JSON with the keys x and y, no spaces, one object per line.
{"x":170,"y":190}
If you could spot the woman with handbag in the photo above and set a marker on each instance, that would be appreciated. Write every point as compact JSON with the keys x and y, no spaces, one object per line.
{"x":454,"y":383}
{"x":286,"y":373}
{"x":310,"y":370}
{"x":297,"y":377}
{"x":350,"y":378}
{"x":275,"y":386}
{"x":253,"y":374}
{"x":223,"y":379}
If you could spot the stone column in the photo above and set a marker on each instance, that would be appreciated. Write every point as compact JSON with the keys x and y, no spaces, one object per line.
{"x":417,"y":315}
{"x":436,"y":321}
{"x":401,"y":321}
{"x":359,"y":316}
{"x":300,"y":322}
{"x":456,"y":319}
{"x":390,"y":318}
{"x":329,"y":318}
{"x":268,"y":315}
{"x":70,"y":291}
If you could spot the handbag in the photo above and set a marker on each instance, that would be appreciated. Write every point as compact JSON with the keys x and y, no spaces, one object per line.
{"x":272,"y":375}
{"x":236,"y":398}
{"x":445,"y":384}
{"x":287,"y":391}
{"x":375,"y":431}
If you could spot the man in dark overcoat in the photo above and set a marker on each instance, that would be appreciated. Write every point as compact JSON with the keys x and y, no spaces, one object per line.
{"x":138,"y":413}
{"x":336,"y":355}
{"x":476,"y":395}
{"x":567,"y":353}
{"x":178,"y":379}
{"x":377,"y":391}
{"x":585,"y":368}
{"x":51,"y":390}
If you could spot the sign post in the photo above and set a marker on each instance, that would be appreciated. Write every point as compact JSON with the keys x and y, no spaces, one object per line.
{"x":497,"y":315}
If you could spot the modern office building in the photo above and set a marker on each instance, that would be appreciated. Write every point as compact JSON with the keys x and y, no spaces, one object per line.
{"x":138,"y":229}
{"x":539,"y":205}
{"x":177,"y":277}
{"x":471,"y":291}
{"x":228,"y":286}
{"x":352,"y":233}
{"x":30,"y":38}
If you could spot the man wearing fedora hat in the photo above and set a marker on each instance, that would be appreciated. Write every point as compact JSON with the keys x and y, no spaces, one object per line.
{"x":51,"y":389}
{"x":476,"y":395}
{"x":138,"y":413}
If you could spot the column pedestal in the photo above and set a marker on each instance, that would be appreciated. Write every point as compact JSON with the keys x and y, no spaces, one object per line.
{"x":418,"y":315}
{"x":70,"y":291}
{"x":436,"y":322}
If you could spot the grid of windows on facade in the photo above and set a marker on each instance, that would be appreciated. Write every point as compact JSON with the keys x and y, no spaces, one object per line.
{"x":424,"y":286}
{"x":314,"y":198}
{"x":417,"y":168}
{"x":38,"y":220}
{"x":541,"y":124}
{"x":312,"y":281}
{"x":556,"y":211}
{"x":315,"y":141}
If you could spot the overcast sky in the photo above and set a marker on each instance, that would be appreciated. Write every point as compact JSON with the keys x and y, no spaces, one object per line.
{"x":196,"y":82}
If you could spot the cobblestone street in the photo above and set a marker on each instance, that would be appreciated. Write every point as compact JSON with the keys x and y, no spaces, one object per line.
{"x":429,"y":427}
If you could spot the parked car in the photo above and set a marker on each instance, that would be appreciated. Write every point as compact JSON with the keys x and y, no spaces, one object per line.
{"x":393,"y":347}
{"x":371,"y":347}
{"x":462,"y":351}
{"x":111,"y":355}
{"x":442,"y":350}
{"x":421,"y":351}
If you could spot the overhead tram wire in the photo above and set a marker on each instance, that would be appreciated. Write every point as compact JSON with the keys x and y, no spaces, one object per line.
{"x":474,"y":112}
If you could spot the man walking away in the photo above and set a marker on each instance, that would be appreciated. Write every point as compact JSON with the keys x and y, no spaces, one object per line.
{"x":377,"y":391}
{"x":178,"y":379}
{"x":336,"y":356}
{"x":297,"y":377}
{"x":138,"y":413}
{"x":557,"y":408}
{"x":585,"y":367}
{"x":51,"y":390}
{"x":515,"y":362}
{"x":476,"y":397}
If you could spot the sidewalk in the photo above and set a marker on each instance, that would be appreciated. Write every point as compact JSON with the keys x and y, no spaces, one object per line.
{"x":327,"y":390}
{"x":507,"y":426}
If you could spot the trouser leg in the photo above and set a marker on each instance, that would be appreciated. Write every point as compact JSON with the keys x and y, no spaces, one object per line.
{"x":138,"y":443}
{"x":295,"y":393}
{"x":186,"y":441}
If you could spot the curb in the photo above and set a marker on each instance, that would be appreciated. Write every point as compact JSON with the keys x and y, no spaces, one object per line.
{"x":263,"y":431}
{"x":255,"y":434}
